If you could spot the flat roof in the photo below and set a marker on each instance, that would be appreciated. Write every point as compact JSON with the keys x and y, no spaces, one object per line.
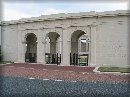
{"x":63,"y":16}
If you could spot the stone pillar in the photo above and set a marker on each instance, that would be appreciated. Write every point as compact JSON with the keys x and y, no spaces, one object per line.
{"x":58,"y":45}
{"x":93,"y":45}
{"x":66,"y":53}
{"x":74,"y":47}
{"x":89,"y":51}
{"x":66,"y":48}
{"x":53,"y":47}
{"x":21,"y":48}
{"x":41,"y":50}
{"x":87,"y":45}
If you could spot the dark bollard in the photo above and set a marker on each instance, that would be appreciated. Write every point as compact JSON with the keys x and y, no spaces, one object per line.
{"x":49,"y":58}
{"x":60,"y":58}
{"x":30,"y":57}
{"x":87,"y":60}
{"x":35,"y":57}
{"x":76,"y":59}
{"x":52,"y":59}
{"x":79,"y":61}
{"x":70,"y":59}
{"x":57,"y":58}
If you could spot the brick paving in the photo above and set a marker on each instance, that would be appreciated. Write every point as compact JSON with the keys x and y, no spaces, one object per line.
{"x":53,"y":72}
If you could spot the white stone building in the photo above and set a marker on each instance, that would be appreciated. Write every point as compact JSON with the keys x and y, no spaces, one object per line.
{"x":102,"y":37}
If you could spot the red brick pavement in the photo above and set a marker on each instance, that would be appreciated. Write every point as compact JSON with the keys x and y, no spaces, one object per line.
{"x":54,"y":72}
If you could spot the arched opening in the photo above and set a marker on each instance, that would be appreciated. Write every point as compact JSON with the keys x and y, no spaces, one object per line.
{"x":53,"y":48}
{"x":79,"y":48}
{"x":31,"y":48}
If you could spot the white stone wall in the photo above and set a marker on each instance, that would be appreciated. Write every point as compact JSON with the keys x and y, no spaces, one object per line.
{"x":108,"y":34}
{"x":112,"y":41}
{"x":9,"y":42}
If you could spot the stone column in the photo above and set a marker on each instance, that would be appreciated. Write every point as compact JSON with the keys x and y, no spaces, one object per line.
{"x":74,"y":46}
{"x":21,"y":48}
{"x":52,"y":47}
{"x":93,"y":45}
{"x":40,"y":50}
{"x":66,"y":48}
{"x":58,"y":46}
{"x":89,"y":50}
{"x":87,"y":44}
{"x":66,"y":53}
{"x":79,"y":45}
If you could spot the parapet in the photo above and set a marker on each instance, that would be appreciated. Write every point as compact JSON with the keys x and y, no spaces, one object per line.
{"x":63,"y":16}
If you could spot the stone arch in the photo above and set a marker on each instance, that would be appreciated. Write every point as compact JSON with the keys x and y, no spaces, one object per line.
{"x":31,"y":47}
{"x":51,"y":40}
{"x":74,"y":40}
{"x":71,"y":31}
{"x":75,"y":54}
{"x":27,"y":32}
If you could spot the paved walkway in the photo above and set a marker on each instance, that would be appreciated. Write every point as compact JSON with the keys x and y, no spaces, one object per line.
{"x":54,"y":67}
{"x":53,"y":72}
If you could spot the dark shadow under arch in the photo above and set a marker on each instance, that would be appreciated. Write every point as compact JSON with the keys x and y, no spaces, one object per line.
{"x":31,"y":48}
{"x":52,"y":57}
{"x":75,"y":57}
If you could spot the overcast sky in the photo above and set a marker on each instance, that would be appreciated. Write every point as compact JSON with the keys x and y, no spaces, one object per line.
{"x":16,"y":10}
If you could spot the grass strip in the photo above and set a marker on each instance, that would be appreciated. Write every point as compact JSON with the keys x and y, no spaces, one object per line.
{"x":115,"y":69}
{"x":5,"y":62}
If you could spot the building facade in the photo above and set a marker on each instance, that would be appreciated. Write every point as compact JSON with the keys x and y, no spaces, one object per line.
{"x":101,"y":37}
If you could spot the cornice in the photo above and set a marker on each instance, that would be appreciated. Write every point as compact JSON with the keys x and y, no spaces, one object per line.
{"x":63,"y":16}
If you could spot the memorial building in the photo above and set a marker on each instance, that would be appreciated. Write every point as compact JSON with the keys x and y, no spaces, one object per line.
{"x":83,"y":39}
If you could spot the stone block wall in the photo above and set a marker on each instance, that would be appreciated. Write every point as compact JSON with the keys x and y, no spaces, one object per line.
{"x":108,"y":33}
{"x":9,"y":42}
{"x":112,"y":41}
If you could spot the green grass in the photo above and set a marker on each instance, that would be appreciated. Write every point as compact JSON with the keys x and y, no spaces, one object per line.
{"x":5,"y":62}
{"x":115,"y":69}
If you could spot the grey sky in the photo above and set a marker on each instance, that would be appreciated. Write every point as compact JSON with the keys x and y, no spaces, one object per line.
{"x":16,"y":10}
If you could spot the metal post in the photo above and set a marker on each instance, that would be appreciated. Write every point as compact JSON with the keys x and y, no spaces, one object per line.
{"x":70,"y":59}
{"x":79,"y":60}
{"x":49,"y":57}
{"x":87,"y":60}
{"x":52,"y":59}
{"x":60,"y":58}
{"x":57,"y":59}
{"x":35,"y":57}
{"x":76,"y":59}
